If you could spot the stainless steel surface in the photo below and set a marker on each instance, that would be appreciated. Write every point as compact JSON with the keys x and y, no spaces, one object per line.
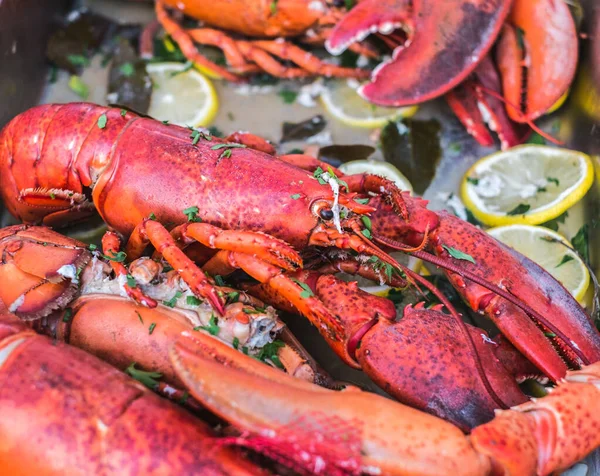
{"x":24,"y":29}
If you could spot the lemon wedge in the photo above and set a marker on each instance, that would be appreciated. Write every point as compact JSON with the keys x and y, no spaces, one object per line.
{"x":547,"y":248}
{"x":529,"y":184}
{"x":181,"y":95}
{"x":341,"y":100}
{"x":377,"y":167}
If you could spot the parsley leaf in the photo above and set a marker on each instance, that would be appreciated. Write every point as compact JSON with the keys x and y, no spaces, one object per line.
{"x":171,"y":302}
{"x":289,"y":97}
{"x":457,"y":254}
{"x":118,"y":257}
{"x":102,"y":120}
{"x":193,"y":301}
{"x":306,"y":291}
{"x":520,"y":209}
{"x":565,"y":259}
{"x":149,"y":379}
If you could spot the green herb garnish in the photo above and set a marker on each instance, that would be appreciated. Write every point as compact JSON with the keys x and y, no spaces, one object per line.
{"x":171,"y":302}
{"x":102,"y":120}
{"x":520,"y":209}
{"x":457,"y":254}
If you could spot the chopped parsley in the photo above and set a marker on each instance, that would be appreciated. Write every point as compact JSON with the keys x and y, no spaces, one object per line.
{"x":79,"y":87}
{"x":212,"y":328}
{"x":565,"y":259}
{"x":457,"y":254}
{"x":306,"y":291}
{"x":118,"y":257}
{"x":520,"y":209}
{"x":127,"y":69}
{"x":288,"y":96}
{"x":102,"y":120}
{"x":171,"y":302}
{"x":192,"y":214}
{"x":148,"y":379}
{"x":193,"y":301}
{"x":151,"y":328}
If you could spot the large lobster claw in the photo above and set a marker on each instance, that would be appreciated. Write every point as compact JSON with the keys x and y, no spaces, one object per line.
{"x":446,"y":42}
{"x":547,"y":435}
{"x":538,"y":48}
{"x":318,"y":430}
{"x":428,"y":361}
{"x":38,"y":269}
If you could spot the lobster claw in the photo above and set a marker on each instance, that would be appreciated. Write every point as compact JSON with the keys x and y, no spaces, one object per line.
{"x":436,"y":59}
{"x":425,"y":360}
{"x":311,"y":428}
{"x":38,"y":269}
{"x":547,"y":435}
{"x":533,"y":44}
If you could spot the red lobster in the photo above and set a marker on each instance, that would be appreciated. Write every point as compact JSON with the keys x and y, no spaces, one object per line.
{"x":66,"y":412}
{"x":438,"y":47}
{"x":447,"y":51}
{"x":135,"y":168}
{"x":115,"y":425}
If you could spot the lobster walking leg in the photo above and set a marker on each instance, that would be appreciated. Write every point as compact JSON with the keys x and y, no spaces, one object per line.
{"x":110,"y":248}
{"x":150,"y":231}
{"x":187,"y":45}
{"x":239,"y":52}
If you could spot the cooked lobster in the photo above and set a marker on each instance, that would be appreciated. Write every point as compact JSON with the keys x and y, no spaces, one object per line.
{"x":305,"y":427}
{"x":438,"y":47}
{"x":142,"y":175}
{"x":66,"y":412}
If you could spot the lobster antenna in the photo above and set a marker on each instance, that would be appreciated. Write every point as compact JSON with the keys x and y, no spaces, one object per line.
{"x":529,"y":122}
{"x":436,"y":292}
{"x":446,"y":264}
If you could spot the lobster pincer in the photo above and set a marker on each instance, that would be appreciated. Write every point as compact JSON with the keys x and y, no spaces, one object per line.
{"x":532,"y":309}
{"x":321,"y":431}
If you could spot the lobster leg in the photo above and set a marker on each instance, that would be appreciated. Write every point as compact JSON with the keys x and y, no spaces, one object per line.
{"x":283,"y":287}
{"x":307,"y":61}
{"x":482,"y":92}
{"x":57,"y":207}
{"x":263,"y":246}
{"x":110,"y":247}
{"x":187,"y":45}
{"x":152,"y":232}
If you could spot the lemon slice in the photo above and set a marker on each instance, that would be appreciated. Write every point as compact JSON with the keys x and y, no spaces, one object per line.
{"x":181,"y":96}
{"x":529,"y":184}
{"x":377,"y":167}
{"x":341,"y":100}
{"x":543,"y":246}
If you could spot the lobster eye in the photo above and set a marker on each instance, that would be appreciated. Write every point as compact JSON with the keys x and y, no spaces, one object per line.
{"x":326,"y":213}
